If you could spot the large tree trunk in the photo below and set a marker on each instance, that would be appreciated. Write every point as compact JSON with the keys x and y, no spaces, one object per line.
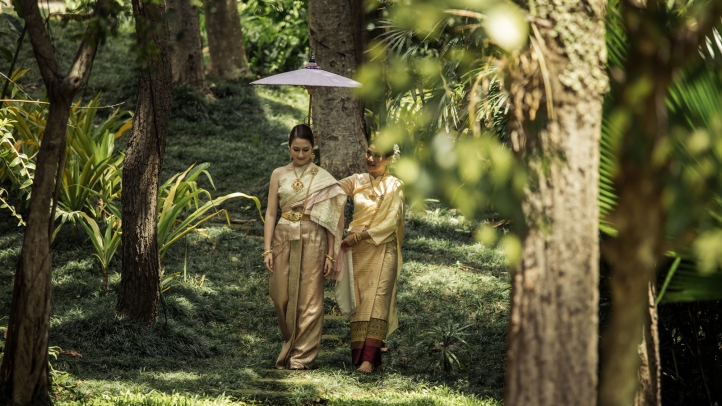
{"x":24,"y":372}
{"x":140,"y":276}
{"x":335,"y":39}
{"x":552,"y":337}
{"x":640,"y":215}
{"x":225,"y":40}
{"x":185,"y":36}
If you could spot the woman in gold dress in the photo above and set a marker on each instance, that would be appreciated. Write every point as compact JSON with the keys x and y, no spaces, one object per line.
{"x":374,"y":244}
{"x":300,"y":250}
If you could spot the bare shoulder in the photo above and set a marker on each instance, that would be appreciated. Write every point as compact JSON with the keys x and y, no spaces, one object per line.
{"x":280,"y":171}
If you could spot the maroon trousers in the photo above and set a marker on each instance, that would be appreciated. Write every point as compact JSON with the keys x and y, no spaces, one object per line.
{"x":371,"y":352}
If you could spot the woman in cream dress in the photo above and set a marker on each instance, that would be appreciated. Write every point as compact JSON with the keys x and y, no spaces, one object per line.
{"x":374,"y":243}
{"x":301,"y":249}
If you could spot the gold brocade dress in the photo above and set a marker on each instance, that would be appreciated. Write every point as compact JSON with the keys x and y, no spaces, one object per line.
{"x":299,"y":250}
{"x":375,"y":261}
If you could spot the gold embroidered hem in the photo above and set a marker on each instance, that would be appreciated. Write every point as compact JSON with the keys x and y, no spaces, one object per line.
{"x":363,"y":330}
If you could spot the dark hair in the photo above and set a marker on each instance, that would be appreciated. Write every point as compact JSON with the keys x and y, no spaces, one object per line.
{"x":301,"y":131}
{"x":386,"y":153}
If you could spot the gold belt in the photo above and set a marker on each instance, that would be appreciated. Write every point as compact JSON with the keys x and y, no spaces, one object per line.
{"x":295,"y":216}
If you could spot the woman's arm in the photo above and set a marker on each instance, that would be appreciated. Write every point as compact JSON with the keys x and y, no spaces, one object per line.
{"x":270,"y":223}
{"x":328,"y":263}
{"x":348,"y":184}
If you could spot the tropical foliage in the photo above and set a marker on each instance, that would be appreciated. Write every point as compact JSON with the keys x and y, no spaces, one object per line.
{"x":445,"y":102}
{"x":90,"y":190}
{"x":275,"y":34}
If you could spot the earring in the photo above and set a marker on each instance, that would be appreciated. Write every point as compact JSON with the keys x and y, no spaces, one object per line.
{"x":313,"y":156}
{"x":291,"y":156}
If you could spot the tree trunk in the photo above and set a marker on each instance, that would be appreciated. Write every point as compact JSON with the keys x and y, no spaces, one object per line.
{"x":335,"y":40}
{"x":632,"y":256}
{"x":25,"y":361}
{"x":185,"y":35}
{"x":225,"y":40}
{"x":552,"y":337}
{"x":140,"y":275}
{"x":649,"y":375}
{"x":24,"y":372}
{"x":657,"y":51}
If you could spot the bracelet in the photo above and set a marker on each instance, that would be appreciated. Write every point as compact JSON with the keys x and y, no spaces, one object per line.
{"x":329,"y":257}
{"x":357,"y":238}
{"x":266,"y":253}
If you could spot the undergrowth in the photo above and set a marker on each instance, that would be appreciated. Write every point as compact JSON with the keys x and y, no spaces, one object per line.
{"x":217,"y":337}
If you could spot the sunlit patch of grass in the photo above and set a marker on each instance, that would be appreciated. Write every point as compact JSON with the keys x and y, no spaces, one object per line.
{"x":154,"y":398}
{"x":351,"y":388}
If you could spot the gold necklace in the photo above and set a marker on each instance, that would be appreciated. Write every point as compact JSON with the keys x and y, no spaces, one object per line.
{"x":297,"y":185}
{"x":373,"y":194}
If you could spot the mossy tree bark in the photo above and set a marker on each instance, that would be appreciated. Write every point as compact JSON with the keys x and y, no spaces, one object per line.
{"x":225,"y":40}
{"x":657,"y":51}
{"x":140,"y":275}
{"x":187,"y":50}
{"x":24,"y":372}
{"x":335,"y":37}
{"x":552,"y":339}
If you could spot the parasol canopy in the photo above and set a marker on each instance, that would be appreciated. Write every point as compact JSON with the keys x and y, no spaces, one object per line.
{"x":310,"y":77}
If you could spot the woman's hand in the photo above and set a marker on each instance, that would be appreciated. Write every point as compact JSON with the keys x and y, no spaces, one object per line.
{"x":348,"y":242}
{"x":268,"y":262}
{"x":327,"y":267}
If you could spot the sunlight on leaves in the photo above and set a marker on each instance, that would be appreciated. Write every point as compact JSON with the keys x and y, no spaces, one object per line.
{"x":512,"y":248}
{"x":506,"y":26}
{"x":706,"y":247}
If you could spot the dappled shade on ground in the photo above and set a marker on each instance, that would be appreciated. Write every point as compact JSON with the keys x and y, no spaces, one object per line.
{"x":216,"y":337}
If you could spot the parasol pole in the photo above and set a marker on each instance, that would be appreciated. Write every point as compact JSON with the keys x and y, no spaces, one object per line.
{"x":310,"y":90}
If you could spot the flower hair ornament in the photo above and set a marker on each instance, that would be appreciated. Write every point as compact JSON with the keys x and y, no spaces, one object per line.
{"x":397,"y":154}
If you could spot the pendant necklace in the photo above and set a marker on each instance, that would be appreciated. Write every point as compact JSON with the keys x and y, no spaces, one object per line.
{"x":297,"y":185}
{"x":373,"y":194}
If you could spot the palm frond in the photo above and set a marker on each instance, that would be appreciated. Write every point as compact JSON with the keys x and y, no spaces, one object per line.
{"x":687,"y":284}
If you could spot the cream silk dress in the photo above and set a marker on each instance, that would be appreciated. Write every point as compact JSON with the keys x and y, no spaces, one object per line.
{"x":299,"y":251}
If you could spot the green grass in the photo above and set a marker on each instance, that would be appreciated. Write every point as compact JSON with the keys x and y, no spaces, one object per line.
{"x":215,"y":342}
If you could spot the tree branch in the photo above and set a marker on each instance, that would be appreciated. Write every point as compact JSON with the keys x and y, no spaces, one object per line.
{"x":86,"y":52}
{"x":71,"y":16}
{"x":45,"y":52}
{"x":39,"y":38}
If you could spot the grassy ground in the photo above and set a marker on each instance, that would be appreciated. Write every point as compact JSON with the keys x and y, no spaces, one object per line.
{"x":216,"y":338}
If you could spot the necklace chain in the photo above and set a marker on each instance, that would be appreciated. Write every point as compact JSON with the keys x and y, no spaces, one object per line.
{"x":373,"y":195}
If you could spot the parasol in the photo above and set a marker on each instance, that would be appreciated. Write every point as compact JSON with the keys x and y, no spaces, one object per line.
{"x":310,"y":77}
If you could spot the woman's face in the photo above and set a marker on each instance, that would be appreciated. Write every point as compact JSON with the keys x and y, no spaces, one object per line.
{"x":375,"y":161}
{"x":301,"y":151}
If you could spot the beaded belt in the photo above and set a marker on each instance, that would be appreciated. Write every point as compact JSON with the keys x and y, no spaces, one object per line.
{"x":295,"y":216}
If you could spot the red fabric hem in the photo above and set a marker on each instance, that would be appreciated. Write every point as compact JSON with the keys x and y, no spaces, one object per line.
{"x":368,"y":353}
